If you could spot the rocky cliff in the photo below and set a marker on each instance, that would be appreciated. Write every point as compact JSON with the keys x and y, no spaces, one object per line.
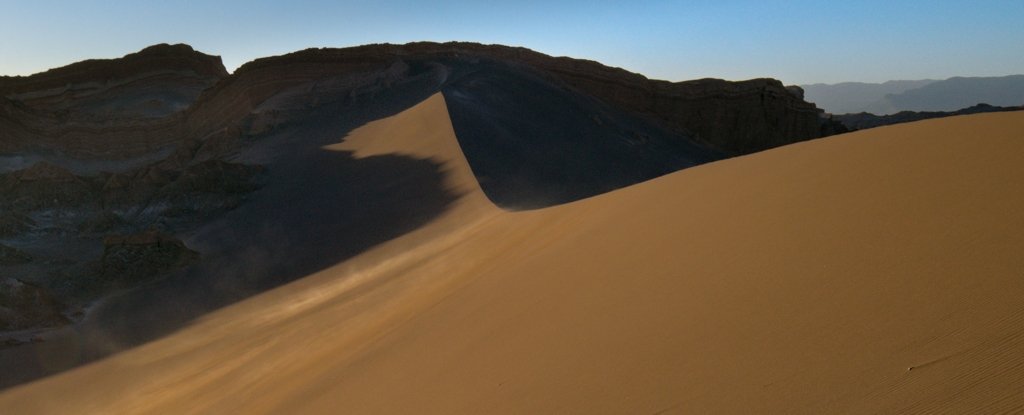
{"x":147,"y":101}
{"x":109,"y":109}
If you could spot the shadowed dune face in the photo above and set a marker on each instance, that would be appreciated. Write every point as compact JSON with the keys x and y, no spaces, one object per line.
{"x":877,"y":271}
{"x":317,"y":207}
{"x":534,"y":144}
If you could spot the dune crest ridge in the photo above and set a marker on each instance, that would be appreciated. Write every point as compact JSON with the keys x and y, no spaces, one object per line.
{"x":877,"y":271}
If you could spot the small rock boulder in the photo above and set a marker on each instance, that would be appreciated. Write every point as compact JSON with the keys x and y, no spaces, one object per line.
{"x":13,"y":256}
{"x":44,"y":185}
{"x":26,"y":306}
{"x":13,"y":224}
{"x":132,"y":259}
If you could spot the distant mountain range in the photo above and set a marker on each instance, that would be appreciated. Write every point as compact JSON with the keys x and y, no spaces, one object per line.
{"x":863,"y":120}
{"x":918,"y":95}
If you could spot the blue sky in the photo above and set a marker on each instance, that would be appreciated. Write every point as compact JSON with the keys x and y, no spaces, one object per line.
{"x":795,"y":41}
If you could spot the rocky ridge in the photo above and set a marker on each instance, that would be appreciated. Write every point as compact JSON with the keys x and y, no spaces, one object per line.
{"x":108,"y":109}
{"x":143,"y":102}
{"x":733,"y":117}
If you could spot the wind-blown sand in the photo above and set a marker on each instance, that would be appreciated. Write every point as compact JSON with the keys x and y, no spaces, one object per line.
{"x":878,"y":271}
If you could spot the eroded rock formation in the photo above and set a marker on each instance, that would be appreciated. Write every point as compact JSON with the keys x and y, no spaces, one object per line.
{"x":111,"y":108}
{"x":130,"y":259}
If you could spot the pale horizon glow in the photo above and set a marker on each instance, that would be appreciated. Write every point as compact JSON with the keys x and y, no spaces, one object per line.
{"x":798,"y":42}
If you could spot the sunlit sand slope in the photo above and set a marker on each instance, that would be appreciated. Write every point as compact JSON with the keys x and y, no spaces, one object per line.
{"x":878,"y":271}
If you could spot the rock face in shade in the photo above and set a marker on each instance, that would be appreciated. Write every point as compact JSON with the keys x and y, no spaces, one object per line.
{"x":146,"y":101}
{"x":43,"y":185}
{"x":130,"y":259}
{"x":733,"y":117}
{"x":72,"y":80}
{"x":111,"y":108}
{"x":13,"y":256}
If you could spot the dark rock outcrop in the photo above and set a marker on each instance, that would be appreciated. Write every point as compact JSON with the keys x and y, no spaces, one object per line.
{"x":162,"y":58}
{"x":131,"y":259}
{"x":101,"y":223}
{"x":14,"y":223}
{"x":43,"y":185}
{"x":830,"y":125}
{"x":736,"y":117}
{"x":204,"y":187}
{"x":24,"y":306}
{"x":13,"y":256}
{"x":111,"y":108}
{"x":175,"y":183}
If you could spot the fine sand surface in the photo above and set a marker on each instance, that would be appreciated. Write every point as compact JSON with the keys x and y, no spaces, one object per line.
{"x":879,"y":271}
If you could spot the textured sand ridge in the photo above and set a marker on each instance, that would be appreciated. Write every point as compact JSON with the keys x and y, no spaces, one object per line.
{"x":877,"y":271}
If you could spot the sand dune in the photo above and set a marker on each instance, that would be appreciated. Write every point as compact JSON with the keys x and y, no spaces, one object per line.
{"x":878,"y":271}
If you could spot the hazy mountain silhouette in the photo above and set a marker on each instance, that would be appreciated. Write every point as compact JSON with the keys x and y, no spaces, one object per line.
{"x":864,"y":120}
{"x":924,"y":95}
{"x":853,"y":97}
{"x":956,"y":93}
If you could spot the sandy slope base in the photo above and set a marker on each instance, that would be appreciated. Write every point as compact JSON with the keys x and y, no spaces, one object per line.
{"x":880,"y":271}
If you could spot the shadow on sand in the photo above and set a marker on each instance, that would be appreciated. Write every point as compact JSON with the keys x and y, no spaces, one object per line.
{"x":317,"y":208}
